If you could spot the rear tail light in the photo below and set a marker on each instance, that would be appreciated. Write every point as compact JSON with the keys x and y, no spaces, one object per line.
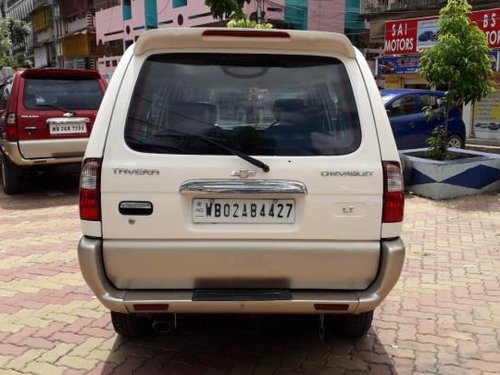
{"x":250,"y":33}
{"x":90,"y":190}
{"x":394,"y":198}
{"x":11,"y":127}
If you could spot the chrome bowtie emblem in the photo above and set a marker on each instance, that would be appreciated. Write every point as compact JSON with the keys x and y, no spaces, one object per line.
{"x":243,"y":173}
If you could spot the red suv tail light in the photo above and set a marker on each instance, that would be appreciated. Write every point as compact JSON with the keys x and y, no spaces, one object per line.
{"x":394,"y":198}
{"x":11,"y":127}
{"x":90,"y":190}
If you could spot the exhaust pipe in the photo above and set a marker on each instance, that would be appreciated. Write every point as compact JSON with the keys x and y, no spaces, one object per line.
{"x":164,"y":325}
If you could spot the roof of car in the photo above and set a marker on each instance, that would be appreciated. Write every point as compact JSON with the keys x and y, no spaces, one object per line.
{"x":251,"y":39}
{"x":59,"y":72}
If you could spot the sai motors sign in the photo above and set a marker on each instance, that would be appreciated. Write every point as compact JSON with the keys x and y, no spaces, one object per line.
{"x":400,"y":37}
{"x":412,"y":35}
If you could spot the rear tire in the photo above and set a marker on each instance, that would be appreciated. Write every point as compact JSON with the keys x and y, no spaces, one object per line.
{"x":455,"y":141}
{"x":130,"y":325}
{"x":11,"y":176}
{"x":351,"y":325}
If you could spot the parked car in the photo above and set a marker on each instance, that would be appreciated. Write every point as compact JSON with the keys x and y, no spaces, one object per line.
{"x":428,"y":35}
{"x":47,"y":115}
{"x":411,"y":126}
{"x":241,"y":171}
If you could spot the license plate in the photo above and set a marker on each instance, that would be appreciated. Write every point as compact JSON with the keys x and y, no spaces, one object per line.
{"x":278,"y":211}
{"x":68,"y":128}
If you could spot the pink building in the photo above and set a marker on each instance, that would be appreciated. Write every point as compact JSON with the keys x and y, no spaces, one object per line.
{"x":119,"y":26}
{"x":326,"y":15}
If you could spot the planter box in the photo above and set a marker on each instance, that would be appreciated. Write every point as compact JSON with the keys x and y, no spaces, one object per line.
{"x":476,"y":173}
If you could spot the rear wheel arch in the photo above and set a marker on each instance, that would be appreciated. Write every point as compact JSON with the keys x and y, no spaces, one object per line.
{"x":11,"y":176}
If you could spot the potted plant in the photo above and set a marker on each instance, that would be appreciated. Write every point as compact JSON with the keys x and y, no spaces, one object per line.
{"x":459,"y":63}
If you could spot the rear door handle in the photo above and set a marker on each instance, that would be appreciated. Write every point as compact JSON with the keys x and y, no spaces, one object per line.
{"x":139,"y":208}
{"x":30,"y":128}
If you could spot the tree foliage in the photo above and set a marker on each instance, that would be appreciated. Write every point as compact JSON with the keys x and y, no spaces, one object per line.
{"x":459,"y":63}
{"x":13,"y":33}
{"x":224,"y":9}
{"x":5,"y":44}
{"x":233,"y":9}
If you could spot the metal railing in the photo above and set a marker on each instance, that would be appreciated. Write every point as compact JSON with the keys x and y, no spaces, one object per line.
{"x":42,"y":3}
{"x":384,"y":6}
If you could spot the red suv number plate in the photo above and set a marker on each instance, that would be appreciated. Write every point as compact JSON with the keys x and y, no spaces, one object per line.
{"x":68,"y":128}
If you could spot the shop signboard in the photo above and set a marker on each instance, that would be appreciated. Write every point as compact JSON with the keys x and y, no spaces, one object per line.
{"x":400,"y":37}
{"x":398,"y":65}
{"x":489,"y":22}
{"x":427,"y":33}
{"x":487,"y":116}
{"x":411,"y":64}
{"x":411,"y":36}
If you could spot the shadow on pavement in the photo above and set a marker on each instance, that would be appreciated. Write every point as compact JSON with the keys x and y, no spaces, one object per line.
{"x":486,"y":202}
{"x":56,"y":186}
{"x":258,"y":344}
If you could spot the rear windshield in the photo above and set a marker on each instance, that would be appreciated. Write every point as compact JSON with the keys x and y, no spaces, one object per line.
{"x":65,"y":94}
{"x":256,"y":104}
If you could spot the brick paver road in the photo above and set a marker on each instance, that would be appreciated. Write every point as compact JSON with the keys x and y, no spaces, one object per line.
{"x":442,"y":318}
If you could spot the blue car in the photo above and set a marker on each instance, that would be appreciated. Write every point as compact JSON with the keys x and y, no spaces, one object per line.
{"x":411,"y":126}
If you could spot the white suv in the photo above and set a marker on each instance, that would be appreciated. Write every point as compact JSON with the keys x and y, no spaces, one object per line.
{"x":241,"y":171}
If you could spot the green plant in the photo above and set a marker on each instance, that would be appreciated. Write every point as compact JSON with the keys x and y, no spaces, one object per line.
{"x":438,"y":141}
{"x":226,"y":8}
{"x":247,"y":24}
{"x":438,"y":144}
{"x":459,"y":63}
{"x":233,"y":9}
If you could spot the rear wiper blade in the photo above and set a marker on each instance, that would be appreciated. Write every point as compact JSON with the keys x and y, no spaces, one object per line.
{"x":248,"y":158}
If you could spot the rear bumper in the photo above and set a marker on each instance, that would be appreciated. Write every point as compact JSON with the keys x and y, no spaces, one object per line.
{"x":61,"y":151}
{"x":90,"y":257}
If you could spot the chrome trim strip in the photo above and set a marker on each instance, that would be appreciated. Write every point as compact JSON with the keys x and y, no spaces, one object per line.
{"x":268,"y":187}
{"x":67,"y":120}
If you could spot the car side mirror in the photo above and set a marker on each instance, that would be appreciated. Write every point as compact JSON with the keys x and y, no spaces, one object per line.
{"x":389,"y":112}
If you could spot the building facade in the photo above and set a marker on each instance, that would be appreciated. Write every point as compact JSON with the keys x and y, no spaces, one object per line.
{"x":93,"y":34}
{"x":64,"y":33}
{"x":119,"y":25}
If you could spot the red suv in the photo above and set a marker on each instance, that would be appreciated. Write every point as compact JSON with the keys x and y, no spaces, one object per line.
{"x":47,"y":115}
